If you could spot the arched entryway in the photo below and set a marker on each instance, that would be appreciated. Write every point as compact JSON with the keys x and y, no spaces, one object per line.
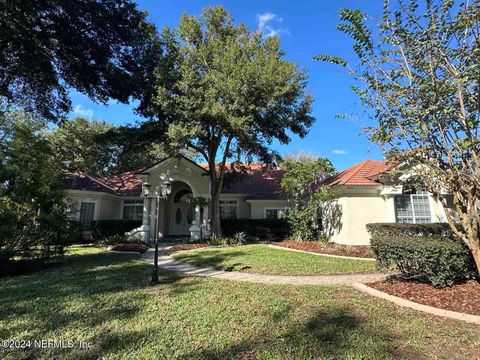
{"x":182,"y":212}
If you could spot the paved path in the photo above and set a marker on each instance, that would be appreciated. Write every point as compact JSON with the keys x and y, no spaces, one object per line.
{"x":168,"y":263}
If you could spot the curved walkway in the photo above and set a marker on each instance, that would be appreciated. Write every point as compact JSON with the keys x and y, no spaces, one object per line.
{"x":168,"y":263}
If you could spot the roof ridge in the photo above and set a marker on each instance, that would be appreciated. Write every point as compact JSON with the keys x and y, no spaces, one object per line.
{"x":356,"y":168}
{"x":99,"y":181}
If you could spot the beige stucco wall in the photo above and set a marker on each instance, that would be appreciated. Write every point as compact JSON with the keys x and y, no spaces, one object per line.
{"x":107,"y":206}
{"x":345,"y":218}
{"x":258,"y":207}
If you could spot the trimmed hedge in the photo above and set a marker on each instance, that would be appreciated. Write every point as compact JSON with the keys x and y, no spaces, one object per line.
{"x":436,"y":260}
{"x":396,"y":229}
{"x":105,"y":228}
{"x":263,"y":229}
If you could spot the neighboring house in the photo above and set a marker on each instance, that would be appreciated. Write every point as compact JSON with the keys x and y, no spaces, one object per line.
{"x":364,"y":194}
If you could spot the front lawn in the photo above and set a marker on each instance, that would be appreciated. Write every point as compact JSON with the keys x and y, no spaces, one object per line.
{"x":266,"y":260}
{"x":105,"y":299}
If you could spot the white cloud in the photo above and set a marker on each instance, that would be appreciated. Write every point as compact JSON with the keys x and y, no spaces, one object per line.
{"x":340,"y":152}
{"x":270,"y":24}
{"x":83,"y":112}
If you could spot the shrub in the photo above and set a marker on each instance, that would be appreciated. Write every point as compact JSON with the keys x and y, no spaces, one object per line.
{"x":239,"y":238}
{"x":395,"y":229}
{"x":105,"y":228}
{"x":278,"y":229}
{"x":224,"y":240}
{"x":437,"y":260}
{"x":117,"y":239}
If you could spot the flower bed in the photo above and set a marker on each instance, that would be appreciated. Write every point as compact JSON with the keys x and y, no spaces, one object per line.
{"x":141,"y":248}
{"x":462,"y":298}
{"x":180,"y":247}
{"x":328,"y":248}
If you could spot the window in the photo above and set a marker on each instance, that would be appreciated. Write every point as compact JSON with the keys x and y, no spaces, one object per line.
{"x":132,"y":209}
{"x":276,"y":213}
{"x":87,"y":211}
{"x":228,"y":209}
{"x":413,"y":208}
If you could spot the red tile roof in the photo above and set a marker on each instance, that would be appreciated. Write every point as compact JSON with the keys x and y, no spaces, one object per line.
{"x":78,"y":180}
{"x":255,"y":181}
{"x":126,"y":184}
{"x":360,"y":174}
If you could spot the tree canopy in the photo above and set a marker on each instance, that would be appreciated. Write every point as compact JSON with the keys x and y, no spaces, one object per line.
{"x":47,"y":47}
{"x":223,"y":91}
{"x":420,"y":77}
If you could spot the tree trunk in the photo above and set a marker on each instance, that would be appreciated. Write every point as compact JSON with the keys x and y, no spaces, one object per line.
{"x":215,"y":229}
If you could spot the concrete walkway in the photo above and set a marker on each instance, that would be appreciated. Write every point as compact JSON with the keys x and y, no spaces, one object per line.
{"x":168,"y":263}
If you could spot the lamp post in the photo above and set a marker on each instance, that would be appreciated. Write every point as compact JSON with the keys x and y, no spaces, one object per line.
{"x":161,"y":193}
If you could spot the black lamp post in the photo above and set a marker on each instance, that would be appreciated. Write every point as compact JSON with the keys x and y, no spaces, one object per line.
{"x":164,"y":191}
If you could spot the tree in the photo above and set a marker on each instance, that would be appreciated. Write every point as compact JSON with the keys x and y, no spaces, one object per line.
{"x":75,"y":145}
{"x":224,"y":92}
{"x":47,"y":47}
{"x":33,"y":209}
{"x":302,"y":174}
{"x":420,"y":77}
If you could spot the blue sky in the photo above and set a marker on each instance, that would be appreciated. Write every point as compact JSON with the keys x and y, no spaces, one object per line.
{"x":306,"y":28}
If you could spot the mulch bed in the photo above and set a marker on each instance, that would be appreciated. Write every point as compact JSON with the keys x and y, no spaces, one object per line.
{"x":328,"y":248}
{"x":463,"y":298}
{"x":180,"y":247}
{"x":129,"y":247}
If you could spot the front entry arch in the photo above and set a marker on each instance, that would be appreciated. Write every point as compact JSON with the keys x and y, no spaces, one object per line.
{"x":182,"y":212}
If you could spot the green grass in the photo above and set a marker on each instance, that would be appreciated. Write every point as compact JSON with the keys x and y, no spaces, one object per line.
{"x":266,"y":260}
{"x":105,"y":299}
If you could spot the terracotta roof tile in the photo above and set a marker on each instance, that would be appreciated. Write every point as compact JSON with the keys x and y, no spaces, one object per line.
{"x":78,"y":180}
{"x":359,"y":174}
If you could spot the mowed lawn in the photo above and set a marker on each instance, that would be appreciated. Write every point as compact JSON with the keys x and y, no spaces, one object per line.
{"x":266,"y":260}
{"x":105,"y":299}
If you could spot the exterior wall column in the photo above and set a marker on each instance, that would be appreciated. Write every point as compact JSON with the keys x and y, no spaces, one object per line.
{"x":390,"y":207}
{"x":146,"y":219}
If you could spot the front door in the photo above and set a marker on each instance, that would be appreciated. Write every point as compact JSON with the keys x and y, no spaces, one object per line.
{"x":182,"y":217}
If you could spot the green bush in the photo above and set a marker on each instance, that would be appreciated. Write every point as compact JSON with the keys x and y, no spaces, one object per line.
{"x":396,"y":229}
{"x":117,"y":239}
{"x":436,"y":260}
{"x":105,"y":228}
{"x":263,"y":229}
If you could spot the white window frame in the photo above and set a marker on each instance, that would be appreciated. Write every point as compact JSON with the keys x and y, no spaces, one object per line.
{"x":414,"y":217}
{"x":124,"y":205}
{"x":220,"y":205}
{"x":285,"y":209}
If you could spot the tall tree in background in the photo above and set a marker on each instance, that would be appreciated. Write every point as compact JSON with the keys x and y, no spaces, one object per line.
{"x":87,"y":145}
{"x":421,"y":78}
{"x":47,"y":47}
{"x":302,"y":173}
{"x":33,"y":210}
{"x":224,"y":92}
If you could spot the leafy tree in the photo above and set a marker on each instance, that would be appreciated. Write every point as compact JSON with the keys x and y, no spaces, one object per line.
{"x":75,"y":145}
{"x":47,"y":47}
{"x":33,"y":210}
{"x":302,"y":174}
{"x":420,"y":77}
{"x":224,"y":92}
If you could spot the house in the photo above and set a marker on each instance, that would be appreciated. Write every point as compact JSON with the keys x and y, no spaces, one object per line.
{"x":363,"y":194}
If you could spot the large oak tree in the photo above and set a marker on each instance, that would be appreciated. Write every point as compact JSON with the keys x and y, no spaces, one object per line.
{"x":49,"y":46}
{"x":223,"y":91}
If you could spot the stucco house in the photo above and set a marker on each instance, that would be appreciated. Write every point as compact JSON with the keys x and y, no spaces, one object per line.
{"x":364,"y":194}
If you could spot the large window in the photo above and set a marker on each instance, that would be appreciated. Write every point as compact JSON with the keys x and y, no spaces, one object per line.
{"x":413,"y":208}
{"x":276,"y":213}
{"x":132,"y":209}
{"x":87,"y":211}
{"x":228,"y":209}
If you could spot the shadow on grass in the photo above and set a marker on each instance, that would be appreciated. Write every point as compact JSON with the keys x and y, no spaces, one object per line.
{"x":215,"y":259}
{"x":331,"y":334}
{"x":72,"y":292}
